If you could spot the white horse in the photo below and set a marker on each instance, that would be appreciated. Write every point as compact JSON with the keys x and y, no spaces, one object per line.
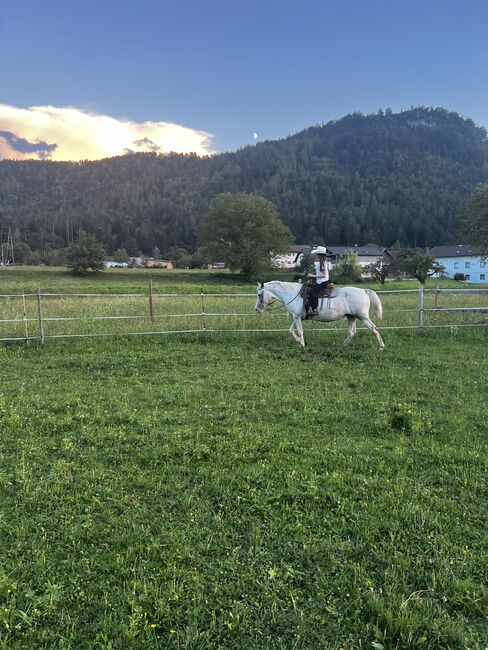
{"x":351,"y":302}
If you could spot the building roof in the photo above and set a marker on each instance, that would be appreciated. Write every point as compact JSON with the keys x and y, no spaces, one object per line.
{"x":459,"y":250}
{"x":359,"y":250}
{"x":299,"y":248}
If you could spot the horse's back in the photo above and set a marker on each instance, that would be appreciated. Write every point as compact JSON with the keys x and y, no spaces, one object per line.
{"x":348,"y":301}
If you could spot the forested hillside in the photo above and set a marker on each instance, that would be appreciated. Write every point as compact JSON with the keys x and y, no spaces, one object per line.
{"x":378,"y":179}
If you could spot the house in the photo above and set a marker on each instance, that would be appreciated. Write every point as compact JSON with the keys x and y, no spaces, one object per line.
{"x":137,"y":262}
{"x":462,"y":259}
{"x":160,"y":264}
{"x":110,"y":263}
{"x":216,"y":265}
{"x":291,"y":258}
{"x":367,"y":255}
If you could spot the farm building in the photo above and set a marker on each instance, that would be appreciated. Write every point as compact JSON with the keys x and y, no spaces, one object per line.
{"x":367,"y":255}
{"x":137,"y":262}
{"x":110,"y":263}
{"x":159,"y":264}
{"x":291,"y":258}
{"x":462,"y":258}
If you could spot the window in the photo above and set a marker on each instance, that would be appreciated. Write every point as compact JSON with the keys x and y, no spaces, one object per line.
{"x":482,"y":265}
{"x":456,"y":265}
{"x":467,"y":276}
{"x":482,"y":276}
{"x":467,"y":265}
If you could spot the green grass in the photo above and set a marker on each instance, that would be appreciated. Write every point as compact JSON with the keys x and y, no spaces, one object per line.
{"x":94,"y":313}
{"x":232,"y":491}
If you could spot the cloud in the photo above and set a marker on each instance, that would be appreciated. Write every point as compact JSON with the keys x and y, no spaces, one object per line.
{"x":21,"y":145}
{"x":74,"y":134}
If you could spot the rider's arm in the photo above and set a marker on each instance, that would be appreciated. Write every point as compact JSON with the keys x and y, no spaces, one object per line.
{"x":324,"y":273}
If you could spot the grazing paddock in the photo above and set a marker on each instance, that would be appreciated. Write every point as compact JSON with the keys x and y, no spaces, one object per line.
{"x":227,"y":491}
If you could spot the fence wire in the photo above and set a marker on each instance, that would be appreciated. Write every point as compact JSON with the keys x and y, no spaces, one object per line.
{"x":49,"y":315}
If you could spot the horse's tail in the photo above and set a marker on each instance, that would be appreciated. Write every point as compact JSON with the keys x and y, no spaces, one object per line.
{"x":376,"y":302}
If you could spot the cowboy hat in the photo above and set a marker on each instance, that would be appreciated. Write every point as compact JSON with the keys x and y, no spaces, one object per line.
{"x":320,"y":250}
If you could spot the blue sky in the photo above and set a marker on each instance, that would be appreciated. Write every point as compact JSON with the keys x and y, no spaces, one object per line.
{"x":232,"y":68}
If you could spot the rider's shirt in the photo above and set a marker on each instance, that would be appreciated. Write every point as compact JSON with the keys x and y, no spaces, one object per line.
{"x":320,"y":279}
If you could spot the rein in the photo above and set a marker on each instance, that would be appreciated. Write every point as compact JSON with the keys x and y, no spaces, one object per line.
{"x":283,"y":303}
{"x":287,"y":303}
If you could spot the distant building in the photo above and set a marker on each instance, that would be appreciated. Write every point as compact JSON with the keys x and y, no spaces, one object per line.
{"x":216,"y":265}
{"x":367,"y":255}
{"x":291,"y":258}
{"x":160,"y":264}
{"x":463,"y":258}
{"x":110,"y":263}
{"x":137,"y":262}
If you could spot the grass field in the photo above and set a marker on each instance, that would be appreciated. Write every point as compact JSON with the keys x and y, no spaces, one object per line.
{"x":233,"y":491}
{"x":116,"y":302}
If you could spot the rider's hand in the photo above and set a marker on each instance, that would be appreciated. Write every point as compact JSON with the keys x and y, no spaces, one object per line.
{"x":310,"y":275}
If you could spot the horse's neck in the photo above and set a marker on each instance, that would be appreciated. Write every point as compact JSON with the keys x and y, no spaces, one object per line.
{"x":285,"y":293}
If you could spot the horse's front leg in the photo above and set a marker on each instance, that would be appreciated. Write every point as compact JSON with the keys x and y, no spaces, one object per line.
{"x":297,"y":320}
{"x":296,"y":330}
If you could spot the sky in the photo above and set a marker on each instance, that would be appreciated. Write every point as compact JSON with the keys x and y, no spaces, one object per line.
{"x":85,"y":79}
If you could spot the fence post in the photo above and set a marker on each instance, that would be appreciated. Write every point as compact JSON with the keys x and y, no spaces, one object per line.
{"x":420,"y":316}
{"x":204,"y":320}
{"x":24,"y":310}
{"x":151,"y":306}
{"x":39,"y":315}
{"x":437,"y":294}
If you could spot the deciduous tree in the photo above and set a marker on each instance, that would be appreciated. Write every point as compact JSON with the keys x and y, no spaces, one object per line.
{"x":419,"y":265}
{"x":347,"y":269}
{"x":85,"y":253}
{"x":242,"y":230}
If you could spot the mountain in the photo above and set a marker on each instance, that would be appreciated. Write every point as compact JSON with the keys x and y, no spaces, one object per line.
{"x":377,"y":178}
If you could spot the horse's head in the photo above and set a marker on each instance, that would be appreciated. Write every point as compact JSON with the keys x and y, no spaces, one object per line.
{"x":263,"y":299}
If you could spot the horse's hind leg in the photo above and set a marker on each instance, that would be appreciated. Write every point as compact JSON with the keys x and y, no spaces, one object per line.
{"x":372,"y":327}
{"x":351,"y":329}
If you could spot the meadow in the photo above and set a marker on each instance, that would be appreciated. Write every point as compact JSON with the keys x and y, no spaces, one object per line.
{"x":230,"y":490}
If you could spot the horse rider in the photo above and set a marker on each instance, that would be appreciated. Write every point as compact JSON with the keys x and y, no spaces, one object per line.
{"x":319,"y":280}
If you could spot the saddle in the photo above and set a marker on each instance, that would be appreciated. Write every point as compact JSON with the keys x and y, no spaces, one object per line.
{"x":325,"y":290}
{"x":321,"y":291}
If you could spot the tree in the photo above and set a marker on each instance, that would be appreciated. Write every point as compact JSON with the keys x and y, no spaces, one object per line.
{"x":181,"y":257}
{"x":85,"y":253}
{"x":474,"y":221}
{"x":242,"y":230}
{"x":347,"y":269}
{"x":418,"y":264}
{"x":384,"y":268}
{"x":21,"y":251}
{"x":379,"y":271}
{"x":305,"y":265}
{"x":121,"y":255}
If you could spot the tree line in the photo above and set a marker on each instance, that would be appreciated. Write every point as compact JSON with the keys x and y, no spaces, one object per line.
{"x":245,"y":231}
{"x":384,"y":178}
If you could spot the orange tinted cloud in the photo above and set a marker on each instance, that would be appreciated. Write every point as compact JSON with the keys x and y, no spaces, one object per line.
{"x":48,"y":132}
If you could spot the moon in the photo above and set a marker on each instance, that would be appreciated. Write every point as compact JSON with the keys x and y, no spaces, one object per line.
{"x":255,"y":136}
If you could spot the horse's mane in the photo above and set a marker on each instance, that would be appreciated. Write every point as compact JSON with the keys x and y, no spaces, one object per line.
{"x":285,"y":285}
